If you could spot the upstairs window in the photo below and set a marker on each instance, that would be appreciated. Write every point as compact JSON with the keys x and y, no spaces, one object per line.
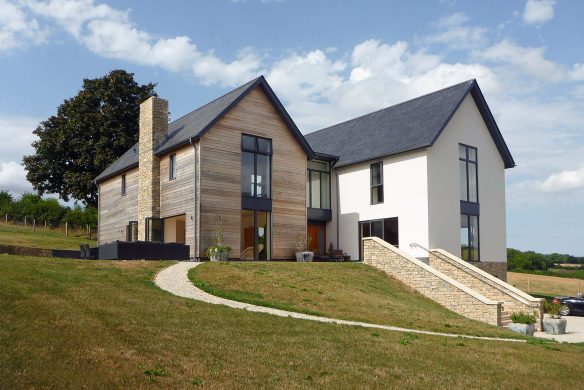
{"x":123,"y":185}
{"x":376,"y":183}
{"x":318,"y":187}
{"x":172,"y":167}
{"x":256,"y":166}
{"x":469,"y":184}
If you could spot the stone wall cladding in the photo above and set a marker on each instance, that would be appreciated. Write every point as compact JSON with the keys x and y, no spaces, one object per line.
{"x":153,"y":127}
{"x":431,"y":283}
{"x":497,"y":290}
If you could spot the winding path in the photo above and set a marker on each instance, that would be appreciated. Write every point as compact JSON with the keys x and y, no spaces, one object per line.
{"x":174,"y":279}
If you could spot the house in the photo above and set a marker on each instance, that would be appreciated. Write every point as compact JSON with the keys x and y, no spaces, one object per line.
{"x":426,"y":173}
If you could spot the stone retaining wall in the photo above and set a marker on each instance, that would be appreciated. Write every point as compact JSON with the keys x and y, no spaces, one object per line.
{"x":40,"y":252}
{"x":514,"y":300}
{"x":430,"y":282}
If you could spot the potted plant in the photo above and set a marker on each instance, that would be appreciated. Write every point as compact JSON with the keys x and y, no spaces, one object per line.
{"x":219,"y":251}
{"x":523,"y":323}
{"x":303,"y":244}
{"x":555,"y":324}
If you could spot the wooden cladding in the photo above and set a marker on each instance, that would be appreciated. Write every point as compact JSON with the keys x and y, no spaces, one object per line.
{"x":221,"y":176}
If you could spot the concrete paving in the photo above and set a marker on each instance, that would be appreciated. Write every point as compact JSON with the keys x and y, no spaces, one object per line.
{"x":574,"y":331}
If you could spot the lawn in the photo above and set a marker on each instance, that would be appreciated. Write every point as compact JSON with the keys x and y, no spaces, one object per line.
{"x":545,"y":285}
{"x":350,"y":291}
{"x":43,"y":238}
{"x":104,"y":324}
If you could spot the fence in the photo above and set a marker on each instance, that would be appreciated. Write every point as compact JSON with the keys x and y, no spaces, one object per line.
{"x":546,"y":285}
{"x":37,"y":225}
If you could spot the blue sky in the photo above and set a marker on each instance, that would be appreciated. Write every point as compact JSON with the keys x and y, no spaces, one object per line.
{"x":328,"y":61}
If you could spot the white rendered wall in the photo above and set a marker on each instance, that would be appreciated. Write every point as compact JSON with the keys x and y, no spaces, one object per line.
{"x":406,"y":197}
{"x":467,"y":127}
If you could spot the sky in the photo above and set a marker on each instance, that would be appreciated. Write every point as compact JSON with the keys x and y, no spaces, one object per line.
{"x":327,"y":61}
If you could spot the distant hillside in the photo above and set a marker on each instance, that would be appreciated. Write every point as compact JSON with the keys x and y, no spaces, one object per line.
{"x":533,"y":261}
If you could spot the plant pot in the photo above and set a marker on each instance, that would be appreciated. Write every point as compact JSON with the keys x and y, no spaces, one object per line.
{"x":526,"y":329}
{"x":304,"y":256}
{"x":555,"y":325}
{"x":221,"y":256}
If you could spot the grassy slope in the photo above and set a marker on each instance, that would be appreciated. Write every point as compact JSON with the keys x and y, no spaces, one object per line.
{"x":79,"y":324}
{"x":545,"y":285}
{"x":341,"y":290}
{"x":44,"y":238}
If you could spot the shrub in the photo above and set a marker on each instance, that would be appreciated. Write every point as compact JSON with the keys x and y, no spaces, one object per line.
{"x":553,"y":309}
{"x":523,"y":318}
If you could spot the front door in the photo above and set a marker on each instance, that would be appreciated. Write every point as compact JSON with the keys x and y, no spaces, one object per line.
{"x":317,"y":234}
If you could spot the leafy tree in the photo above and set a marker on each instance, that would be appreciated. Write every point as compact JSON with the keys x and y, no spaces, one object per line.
{"x":87,"y":134}
{"x":5,"y":202}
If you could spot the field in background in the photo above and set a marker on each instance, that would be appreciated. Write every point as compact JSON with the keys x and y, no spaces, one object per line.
{"x":43,"y":238}
{"x":545,"y":285}
{"x":104,"y":324}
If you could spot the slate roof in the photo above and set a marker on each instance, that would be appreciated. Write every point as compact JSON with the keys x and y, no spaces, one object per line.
{"x":194,"y":124}
{"x":404,"y":127}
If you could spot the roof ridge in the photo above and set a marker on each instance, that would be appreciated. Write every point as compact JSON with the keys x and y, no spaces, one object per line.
{"x":394,"y":105}
{"x":214,"y":100}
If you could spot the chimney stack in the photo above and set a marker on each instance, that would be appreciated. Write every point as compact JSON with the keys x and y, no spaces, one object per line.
{"x":153,"y":128}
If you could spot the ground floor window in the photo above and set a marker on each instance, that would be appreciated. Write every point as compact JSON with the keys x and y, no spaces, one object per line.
{"x":255,"y":235}
{"x":469,"y":237}
{"x":132,"y":231}
{"x":386,"y":229}
{"x":154,"y":229}
{"x":317,"y":234}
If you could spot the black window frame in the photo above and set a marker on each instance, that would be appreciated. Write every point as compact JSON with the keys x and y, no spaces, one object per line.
{"x":467,"y":162}
{"x":309,"y":183}
{"x":124,"y":185}
{"x":129,"y":233}
{"x":372,"y":186}
{"x":255,"y":237}
{"x":478,"y":236}
{"x":147,"y":227}
{"x":172,"y":167}
{"x":256,"y":150}
{"x":383,"y":221}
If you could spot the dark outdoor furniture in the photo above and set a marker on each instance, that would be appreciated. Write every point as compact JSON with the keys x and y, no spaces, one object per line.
{"x":85,"y":252}
{"x":143,"y":250}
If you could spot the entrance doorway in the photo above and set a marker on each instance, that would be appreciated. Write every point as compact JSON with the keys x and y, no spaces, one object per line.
{"x":255,"y":235}
{"x":175,"y":229}
{"x":317,"y":234}
{"x":386,"y":229}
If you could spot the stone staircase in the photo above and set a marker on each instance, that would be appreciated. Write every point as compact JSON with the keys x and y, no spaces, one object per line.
{"x":453,"y":283}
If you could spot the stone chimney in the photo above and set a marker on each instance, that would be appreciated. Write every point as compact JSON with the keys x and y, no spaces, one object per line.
{"x":153,"y":128}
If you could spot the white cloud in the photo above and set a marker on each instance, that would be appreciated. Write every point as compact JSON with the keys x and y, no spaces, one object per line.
{"x":13,"y":178}
{"x":525,"y":59}
{"x":538,"y":11}
{"x":17,"y":137}
{"x":456,"y":33}
{"x":564,"y":180}
{"x":16,"y":29}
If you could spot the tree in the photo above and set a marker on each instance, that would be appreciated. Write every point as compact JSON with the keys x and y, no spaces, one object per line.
{"x":88,"y":133}
{"x":5,"y":202}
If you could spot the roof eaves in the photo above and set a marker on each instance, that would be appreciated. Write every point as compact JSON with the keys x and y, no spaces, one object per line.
{"x":99,"y":179}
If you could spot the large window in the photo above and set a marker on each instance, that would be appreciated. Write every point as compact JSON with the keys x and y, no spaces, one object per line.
{"x":255,"y":235}
{"x":154,"y":229}
{"x":467,"y":161}
{"x":318,"y":187}
{"x":132,"y":231}
{"x":377,"y":183}
{"x":469,"y":237}
{"x":386,"y":229}
{"x":256,"y":167}
{"x":172,"y":167}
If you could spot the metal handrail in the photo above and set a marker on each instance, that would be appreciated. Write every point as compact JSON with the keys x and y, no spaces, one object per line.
{"x":416,"y":245}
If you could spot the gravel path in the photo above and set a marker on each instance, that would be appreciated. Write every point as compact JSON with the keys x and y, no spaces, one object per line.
{"x":174,"y":279}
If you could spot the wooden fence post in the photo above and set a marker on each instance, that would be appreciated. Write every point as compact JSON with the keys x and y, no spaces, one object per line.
{"x":66,"y":229}
{"x":6,"y":218}
{"x":33,"y":225}
{"x":25,"y":221}
{"x":45,"y":223}
{"x":528,"y":284}
{"x":89,"y":226}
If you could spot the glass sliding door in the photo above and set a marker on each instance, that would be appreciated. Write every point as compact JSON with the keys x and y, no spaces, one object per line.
{"x":255,"y":235}
{"x":386,"y":229}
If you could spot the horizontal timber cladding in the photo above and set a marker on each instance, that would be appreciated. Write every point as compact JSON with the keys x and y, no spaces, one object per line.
{"x":177,"y":196}
{"x":115,"y":209}
{"x":221,"y":176}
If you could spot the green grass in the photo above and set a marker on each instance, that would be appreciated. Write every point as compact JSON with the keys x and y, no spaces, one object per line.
{"x":43,"y":238}
{"x":559,"y":272}
{"x":99,"y":324}
{"x":348,"y":291}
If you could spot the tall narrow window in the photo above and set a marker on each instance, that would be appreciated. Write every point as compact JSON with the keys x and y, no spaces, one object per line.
{"x":172,"y":167}
{"x":377,"y":183}
{"x":133,"y":231}
{"x":467,"y":161}
{"x":255,"y":235}
{"x":123,"y":185}
{"x":256,"y":166}
{"x":469,"y":237}
{"x":318,"y":186}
